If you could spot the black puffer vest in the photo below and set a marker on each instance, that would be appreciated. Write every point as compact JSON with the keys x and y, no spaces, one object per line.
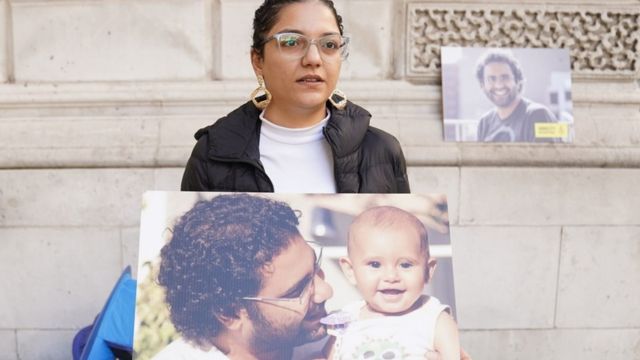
{"x":227,"y":157}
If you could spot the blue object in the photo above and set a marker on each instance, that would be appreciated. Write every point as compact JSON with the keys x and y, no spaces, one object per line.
{"x":112,"y":331}
{"x":80,"y":341}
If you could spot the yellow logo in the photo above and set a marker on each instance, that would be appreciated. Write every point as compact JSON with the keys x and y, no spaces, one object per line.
{"x":551,"y":130}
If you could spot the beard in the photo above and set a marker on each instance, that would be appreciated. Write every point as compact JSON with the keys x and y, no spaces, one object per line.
{"x":269,"y":336}
{"x":313,"y":330}
{"x":503,"y":100}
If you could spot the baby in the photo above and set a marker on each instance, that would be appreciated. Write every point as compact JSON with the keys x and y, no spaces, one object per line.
{"x":389,"y":262}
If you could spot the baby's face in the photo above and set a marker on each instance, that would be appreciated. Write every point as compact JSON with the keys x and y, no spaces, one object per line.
{"x":388,"y":267}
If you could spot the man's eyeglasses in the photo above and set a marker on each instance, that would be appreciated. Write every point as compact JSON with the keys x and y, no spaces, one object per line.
{"x":303,"y":291}
{"x":295,"y":46}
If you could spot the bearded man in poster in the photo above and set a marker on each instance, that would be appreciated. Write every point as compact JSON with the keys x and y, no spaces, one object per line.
{"x":514,"y":117}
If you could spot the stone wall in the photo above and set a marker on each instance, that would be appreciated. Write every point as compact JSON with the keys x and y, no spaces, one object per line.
{"x":99,"y":101}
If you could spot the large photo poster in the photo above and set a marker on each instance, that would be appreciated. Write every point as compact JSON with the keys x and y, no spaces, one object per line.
{"x":299,"y":276}
{"x":507,"y":95}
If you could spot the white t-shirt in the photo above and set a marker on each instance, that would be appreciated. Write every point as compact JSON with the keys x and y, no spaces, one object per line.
{"x":297,"y":160}
{"x":407,"y":336}
{"x":181,"y":350}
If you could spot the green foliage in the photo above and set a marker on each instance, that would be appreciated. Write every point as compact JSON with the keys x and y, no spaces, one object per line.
{"x":155,"y":329}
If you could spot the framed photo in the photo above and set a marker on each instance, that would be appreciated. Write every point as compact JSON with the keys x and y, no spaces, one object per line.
{"x":325,"y":223}
{"x":507,"y":95}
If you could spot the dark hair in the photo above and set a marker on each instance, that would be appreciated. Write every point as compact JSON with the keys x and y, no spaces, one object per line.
{"x":216,"y":256}
{"x":267,"y":15}
{"x":499,"y":56}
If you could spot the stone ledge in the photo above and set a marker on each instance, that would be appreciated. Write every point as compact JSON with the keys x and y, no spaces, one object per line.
{"x":446,"y":155}
{"x":152,"y":124}
{"x":30,"y":95}
{"x":524,"y":155}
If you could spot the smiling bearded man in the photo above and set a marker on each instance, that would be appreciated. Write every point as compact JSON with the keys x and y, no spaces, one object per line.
{"x":514,"y":117}
{"x":241,"y":282}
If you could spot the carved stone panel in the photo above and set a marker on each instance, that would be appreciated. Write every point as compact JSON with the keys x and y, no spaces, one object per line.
{"x":601,"y":43}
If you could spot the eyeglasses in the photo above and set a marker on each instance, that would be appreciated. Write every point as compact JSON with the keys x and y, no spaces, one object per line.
{"x":295,"y":46}
{"x":305,"y":289}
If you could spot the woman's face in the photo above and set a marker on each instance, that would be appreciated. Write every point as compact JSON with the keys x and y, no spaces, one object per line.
{"x":304,"y":84}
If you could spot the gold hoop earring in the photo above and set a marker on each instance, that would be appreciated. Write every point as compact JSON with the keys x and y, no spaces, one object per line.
{"x":261,"y":101}
{"x":338,"y":99}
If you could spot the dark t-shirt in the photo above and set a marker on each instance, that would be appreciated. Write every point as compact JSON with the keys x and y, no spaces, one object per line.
{"x":517,"y":127}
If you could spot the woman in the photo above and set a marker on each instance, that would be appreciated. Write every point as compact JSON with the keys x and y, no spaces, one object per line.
{"x":298,"y":134}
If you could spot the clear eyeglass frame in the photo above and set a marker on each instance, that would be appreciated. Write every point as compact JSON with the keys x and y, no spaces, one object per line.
{"x":305,"y":291}
{"x":296,"y":46}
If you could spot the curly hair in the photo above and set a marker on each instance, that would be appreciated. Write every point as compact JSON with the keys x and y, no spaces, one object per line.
{"x":266,"y":17}
{"x":499,"y":56}
{"x":215,"y":257}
